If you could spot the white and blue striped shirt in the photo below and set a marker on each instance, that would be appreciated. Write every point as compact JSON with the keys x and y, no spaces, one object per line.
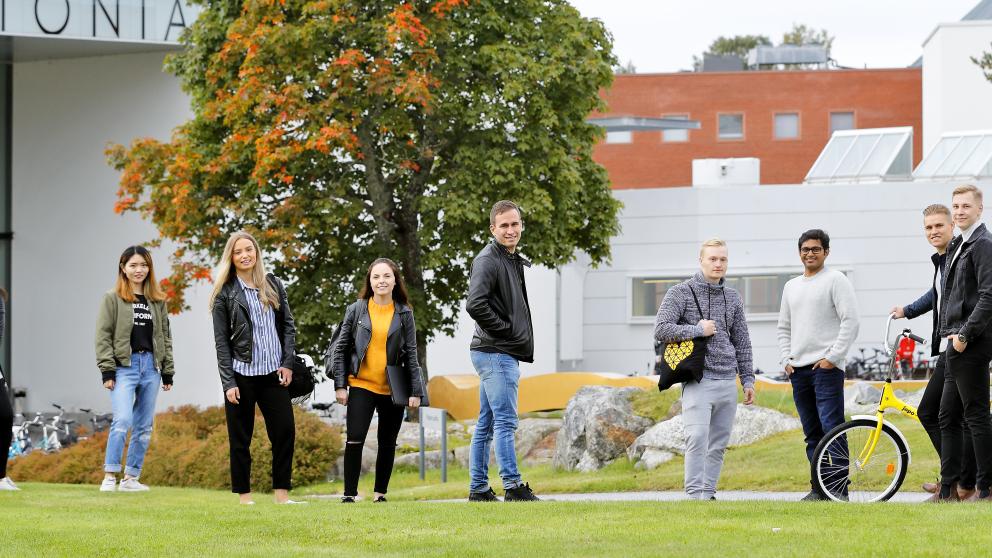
{"x":266,"y":350}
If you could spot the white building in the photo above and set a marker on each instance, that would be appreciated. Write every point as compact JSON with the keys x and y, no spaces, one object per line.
{"x":99,"y":80}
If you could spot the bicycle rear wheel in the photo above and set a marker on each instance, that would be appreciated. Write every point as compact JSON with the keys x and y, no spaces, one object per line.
{"x":839,"y":472}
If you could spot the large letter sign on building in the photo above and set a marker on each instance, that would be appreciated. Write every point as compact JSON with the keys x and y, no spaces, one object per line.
{"x":157,"y":21}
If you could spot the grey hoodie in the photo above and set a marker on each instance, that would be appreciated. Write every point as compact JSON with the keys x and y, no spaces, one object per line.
{"x":728,"y":353}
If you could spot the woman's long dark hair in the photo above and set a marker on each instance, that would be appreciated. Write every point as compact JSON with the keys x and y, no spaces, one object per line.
{"x":151,"y":288}
{"x":399,"y":290}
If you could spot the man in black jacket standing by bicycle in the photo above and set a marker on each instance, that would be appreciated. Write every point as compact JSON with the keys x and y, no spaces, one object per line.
{"x":965,"y":311}
{"x":504,"y":336}
{"x":939,"y":229}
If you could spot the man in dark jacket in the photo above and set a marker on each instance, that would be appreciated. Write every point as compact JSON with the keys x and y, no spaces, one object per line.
{"x":504,"y":335}
{"x":965,"y":311}
{"x":939,"y":230}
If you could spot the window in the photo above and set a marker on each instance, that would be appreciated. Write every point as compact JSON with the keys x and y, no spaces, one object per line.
{"x":762,"y":294}
{"x":959,"y":155}
{"x":787,"y":125}
{"x":731,"y":126}
{"x":619,"y":137}
{"x":865,"y":155}
{"x":675,"y":135}
{"x":841,"y":121}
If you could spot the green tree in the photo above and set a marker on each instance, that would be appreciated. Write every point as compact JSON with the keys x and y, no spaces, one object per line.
{"x":339,"y":131}
{"x":738,"y":45}
{"x":802,"y":35}
{"x":627,"y":68}
{"x":985,"y":63}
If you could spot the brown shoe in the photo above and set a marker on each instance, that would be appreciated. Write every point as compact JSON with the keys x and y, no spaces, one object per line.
{"x":931,"y":487}
{"x":936,"y":499}
{"x":968,"y":495}
{"x":973,"y":496}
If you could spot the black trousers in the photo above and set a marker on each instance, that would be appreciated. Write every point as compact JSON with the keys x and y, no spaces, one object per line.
{"x":361,"y":405}
{"x":966,"y":395}
{"x":277,"y":411}
{"x":929,"y":415}
{"x":6,"y":424}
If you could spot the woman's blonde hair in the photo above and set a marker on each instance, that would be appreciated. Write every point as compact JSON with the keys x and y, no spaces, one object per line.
{"x":226,"y":272}
{"x":150,"y":287}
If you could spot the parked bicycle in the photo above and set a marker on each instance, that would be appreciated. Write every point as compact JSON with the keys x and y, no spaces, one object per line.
{"x":20,"y":443}
{"x":98,"y":422}
{"x":866,"y":458}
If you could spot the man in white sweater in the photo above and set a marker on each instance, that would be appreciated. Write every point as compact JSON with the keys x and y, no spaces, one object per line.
{"x":817,"y":325}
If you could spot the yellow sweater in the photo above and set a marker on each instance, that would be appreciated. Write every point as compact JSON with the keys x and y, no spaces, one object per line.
{"x":372,"y":372}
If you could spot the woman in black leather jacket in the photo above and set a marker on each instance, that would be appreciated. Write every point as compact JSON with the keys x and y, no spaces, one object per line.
{"x":255,"y":336}
{"x":378,"y":333}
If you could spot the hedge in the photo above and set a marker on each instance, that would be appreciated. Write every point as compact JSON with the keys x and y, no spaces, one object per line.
{"x":189,"y":448}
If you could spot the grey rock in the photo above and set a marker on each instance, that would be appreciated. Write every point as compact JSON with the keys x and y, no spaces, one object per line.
{"x":751,"y":424}
{"x":652,"y":458}
{"x":599,"y":425}
{"x":861,"y":398}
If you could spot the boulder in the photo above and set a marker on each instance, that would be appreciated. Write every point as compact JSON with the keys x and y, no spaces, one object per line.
{"x":661,"y":442}
{"x":861,"y":398}
{"x":599,"y":425}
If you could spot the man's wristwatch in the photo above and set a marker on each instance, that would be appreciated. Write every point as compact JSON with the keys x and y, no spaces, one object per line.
{"x":962,"y":339}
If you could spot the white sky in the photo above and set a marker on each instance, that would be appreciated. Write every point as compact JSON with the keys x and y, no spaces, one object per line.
{"x":663,"y":35}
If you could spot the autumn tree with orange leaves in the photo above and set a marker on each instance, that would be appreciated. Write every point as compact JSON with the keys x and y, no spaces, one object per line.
{"x":339,"y":131}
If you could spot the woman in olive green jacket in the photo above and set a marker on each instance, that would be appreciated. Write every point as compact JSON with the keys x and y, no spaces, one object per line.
{"x":134,"y":355}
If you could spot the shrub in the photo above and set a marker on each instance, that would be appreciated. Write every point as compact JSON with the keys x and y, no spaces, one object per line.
{"x":189,"y":448}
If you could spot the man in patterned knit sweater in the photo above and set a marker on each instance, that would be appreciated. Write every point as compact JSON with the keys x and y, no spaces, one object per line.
{"x":709,"y":407}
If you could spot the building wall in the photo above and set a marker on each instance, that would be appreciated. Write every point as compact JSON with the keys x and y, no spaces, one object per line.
{"x":879,"y":98}
{"x":953,"y":86}
{"x":876,"y":235}
{"x":67,"y":239}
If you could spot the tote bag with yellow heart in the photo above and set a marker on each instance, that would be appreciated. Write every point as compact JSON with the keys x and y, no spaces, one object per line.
{"x":683,"y":361}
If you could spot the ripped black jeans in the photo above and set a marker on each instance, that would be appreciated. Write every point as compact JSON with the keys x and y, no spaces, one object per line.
{"x":362,"y":404}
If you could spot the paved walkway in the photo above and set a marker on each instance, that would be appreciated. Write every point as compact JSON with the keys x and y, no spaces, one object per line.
{"x":672,"y":496}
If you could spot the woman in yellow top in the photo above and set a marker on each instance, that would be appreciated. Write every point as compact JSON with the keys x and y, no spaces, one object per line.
{"x":377,"y":332}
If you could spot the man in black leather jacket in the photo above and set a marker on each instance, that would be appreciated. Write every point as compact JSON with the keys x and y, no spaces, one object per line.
{"x":504,"y":335}
{"x":965,"y":311}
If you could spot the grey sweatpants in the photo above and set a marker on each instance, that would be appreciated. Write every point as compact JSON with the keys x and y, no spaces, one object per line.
{"x":708,"y":409}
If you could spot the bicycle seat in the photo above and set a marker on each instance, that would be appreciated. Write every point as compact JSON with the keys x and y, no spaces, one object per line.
{"x":104,"y":417}
{"x":321,"y":406}
{"x":86,"y":410}
{"x":69,"y":421}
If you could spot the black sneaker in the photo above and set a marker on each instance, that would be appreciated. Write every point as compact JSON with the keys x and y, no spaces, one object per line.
{"x":347,"y":499}
{"x":813,"y":496}
{"x":487,"y":496}
{"x":379,"y":499}
{"x":522,"y":493}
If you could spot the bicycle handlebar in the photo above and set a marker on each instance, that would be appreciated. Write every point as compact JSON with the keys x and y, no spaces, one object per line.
{"x":906,"y":332}
{"x":915,"y":337}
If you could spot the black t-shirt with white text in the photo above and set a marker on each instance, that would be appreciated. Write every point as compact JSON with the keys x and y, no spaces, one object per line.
{"x":141,"y":333}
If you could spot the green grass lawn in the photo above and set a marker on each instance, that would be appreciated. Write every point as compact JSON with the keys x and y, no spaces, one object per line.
{"x":67,"y":520}
{"x":776,"y":464}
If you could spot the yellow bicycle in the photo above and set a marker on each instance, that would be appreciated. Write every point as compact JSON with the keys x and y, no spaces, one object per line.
{"x":866,"y":458}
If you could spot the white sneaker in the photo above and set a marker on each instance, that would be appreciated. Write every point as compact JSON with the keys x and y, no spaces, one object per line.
{"x":290,"y":502}
{"x":108,"y":485}
{"x":7,"y":484}
{"x":132,"y":485}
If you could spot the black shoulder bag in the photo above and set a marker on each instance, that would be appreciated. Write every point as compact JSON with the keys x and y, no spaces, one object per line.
{"x":683,"y":361}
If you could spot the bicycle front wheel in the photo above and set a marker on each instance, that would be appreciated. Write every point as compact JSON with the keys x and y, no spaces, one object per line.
{"x":845,"y":471}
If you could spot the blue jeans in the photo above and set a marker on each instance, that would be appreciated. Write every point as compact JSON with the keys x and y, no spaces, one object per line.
{"x":819,"y":398}
{"x":499,"y":376}
{"x":133,"y":401}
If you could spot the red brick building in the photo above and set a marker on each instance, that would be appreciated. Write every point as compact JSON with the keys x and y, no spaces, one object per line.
{"x":784,"y":118}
